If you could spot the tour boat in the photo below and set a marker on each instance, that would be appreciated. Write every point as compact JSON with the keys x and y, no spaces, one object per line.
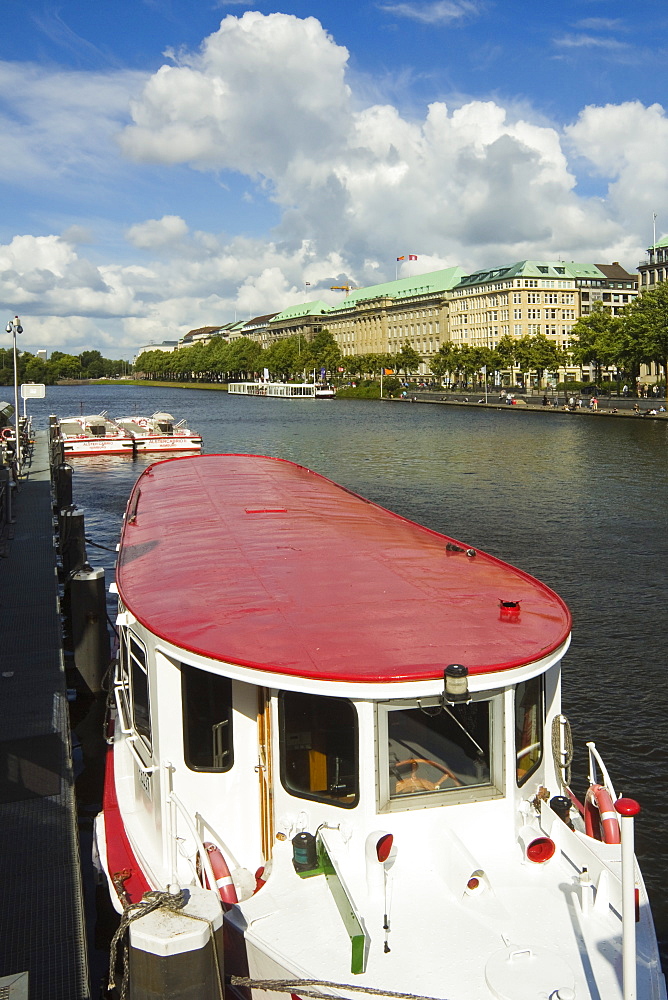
{"x":345,"y":729}
{"x":283,"y":390}
{"x":159,"y":433}
{"x":94,"y":435}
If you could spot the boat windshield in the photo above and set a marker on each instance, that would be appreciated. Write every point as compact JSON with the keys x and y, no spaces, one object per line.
{"x":319,"y":748}
{"x":440,"y":748}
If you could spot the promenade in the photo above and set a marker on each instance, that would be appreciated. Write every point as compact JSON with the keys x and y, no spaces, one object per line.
{"x":42,"y":934}
{"x":613,"y":407}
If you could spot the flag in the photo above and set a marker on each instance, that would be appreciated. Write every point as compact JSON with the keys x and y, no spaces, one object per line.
{"x":388,"y":371}
{"x":412,"y":256}
{"x":401,"y":258}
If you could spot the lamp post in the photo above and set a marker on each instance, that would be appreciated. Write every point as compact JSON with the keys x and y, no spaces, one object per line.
{"x":14,"y":327}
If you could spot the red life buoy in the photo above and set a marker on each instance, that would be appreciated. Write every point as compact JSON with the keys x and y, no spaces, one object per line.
{"x":142,"y":422}
{"x":228,"y":893}
{"x":7,"y":433}
{"x":601,"y":821}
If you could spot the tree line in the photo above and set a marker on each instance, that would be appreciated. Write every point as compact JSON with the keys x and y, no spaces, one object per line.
{"x":88,"y":364}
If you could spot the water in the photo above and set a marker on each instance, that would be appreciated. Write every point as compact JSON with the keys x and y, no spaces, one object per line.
{"x":580,"y":503}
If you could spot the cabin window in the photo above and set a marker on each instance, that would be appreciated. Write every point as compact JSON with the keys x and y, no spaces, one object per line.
{"x":319,"y":748}
{"x":528,"y":727}
{"x":207,"y":720}
{"x":433,"y":748}
{"x":137,"y":672}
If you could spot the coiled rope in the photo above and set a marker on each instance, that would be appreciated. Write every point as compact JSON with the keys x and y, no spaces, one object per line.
{"x":562,"y":754}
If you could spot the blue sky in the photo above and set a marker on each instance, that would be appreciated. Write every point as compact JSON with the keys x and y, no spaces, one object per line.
{"x":173,"y":164}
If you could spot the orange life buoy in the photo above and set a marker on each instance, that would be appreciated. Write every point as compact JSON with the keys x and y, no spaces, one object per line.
{"x":601,"y":821}
{"x":7,"y":433}
{"x":221,"y":872}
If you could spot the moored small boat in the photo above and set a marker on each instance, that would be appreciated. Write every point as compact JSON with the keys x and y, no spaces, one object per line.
{"x":348,"y":729}
{"x":94,"y":435}
{"x":159,"y":433}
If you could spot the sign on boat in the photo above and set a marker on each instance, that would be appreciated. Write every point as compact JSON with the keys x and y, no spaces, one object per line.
{"x":346,"y":730}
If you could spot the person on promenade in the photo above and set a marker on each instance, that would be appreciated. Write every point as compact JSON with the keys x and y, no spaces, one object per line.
{"x":636,"y":408}
{"x":593,"y":403}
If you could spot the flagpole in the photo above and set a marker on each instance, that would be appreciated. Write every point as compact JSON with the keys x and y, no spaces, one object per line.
{"x":654,"y":224}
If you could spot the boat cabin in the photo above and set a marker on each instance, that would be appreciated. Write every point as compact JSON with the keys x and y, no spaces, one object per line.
{"x":356,"y":741}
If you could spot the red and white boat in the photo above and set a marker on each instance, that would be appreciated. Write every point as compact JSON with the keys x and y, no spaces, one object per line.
{"x":159,"y":432}
{"x":94,"y":435}
{"x":350,"y":727}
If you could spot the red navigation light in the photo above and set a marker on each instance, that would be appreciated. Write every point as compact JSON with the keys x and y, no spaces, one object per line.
{"x":384,"y":846}
{"x":473,"y":883}
{"x":540,"y":850}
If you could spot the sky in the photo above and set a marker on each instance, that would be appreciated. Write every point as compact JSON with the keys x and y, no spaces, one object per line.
{"x":172,"y":164}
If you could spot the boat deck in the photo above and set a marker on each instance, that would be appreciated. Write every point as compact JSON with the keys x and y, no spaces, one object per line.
{"x":42,"y":930}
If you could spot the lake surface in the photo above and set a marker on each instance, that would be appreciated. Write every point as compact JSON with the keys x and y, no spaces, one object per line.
{"x":580,"y":502}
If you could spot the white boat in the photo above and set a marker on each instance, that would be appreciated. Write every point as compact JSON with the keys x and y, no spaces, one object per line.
{"x":351,"y":725}
{"x":283,"y":390}
{"x":159,"y":432}
{"x":94,"y":435}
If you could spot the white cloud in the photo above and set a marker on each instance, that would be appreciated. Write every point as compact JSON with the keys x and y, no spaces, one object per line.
{"x":155,"y":233}
{"x":355,"y":183}
{"x":436,"y":12}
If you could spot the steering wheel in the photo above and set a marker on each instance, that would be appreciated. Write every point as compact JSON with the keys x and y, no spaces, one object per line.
{"x":414,"y":784}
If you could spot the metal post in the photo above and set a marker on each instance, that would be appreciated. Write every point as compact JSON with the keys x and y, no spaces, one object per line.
{"x":14,"y":327}
{"x":628,"y":809}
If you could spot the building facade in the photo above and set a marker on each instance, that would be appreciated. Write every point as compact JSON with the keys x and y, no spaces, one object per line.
{"x":380,"y":319}
{"x":654,"y":269}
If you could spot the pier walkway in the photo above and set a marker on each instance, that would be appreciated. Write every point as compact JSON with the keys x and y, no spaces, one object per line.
{"x":42,"y":931}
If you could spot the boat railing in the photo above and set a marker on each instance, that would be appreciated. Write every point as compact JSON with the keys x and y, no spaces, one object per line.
{"x":176,"y":810}
{"x":596,"y":764}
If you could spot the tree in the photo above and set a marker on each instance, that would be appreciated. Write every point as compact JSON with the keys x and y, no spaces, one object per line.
{"x":547,"y":356}
{"x":645,"y":327}
{"x":595,"y":337}
{"x":407,"y":360}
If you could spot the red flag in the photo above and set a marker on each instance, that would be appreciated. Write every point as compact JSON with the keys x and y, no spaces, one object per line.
{"x":401,"y":258}
{"x":412,"y":256}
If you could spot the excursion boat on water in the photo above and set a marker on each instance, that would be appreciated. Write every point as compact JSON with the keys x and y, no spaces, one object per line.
{"x":94,"y":435}
{"x":159,"y":432}
{"x":344,"y":730}
{"x":283,"y":390}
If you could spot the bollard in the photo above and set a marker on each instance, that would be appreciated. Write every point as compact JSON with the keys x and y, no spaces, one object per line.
{"x":90,"y":636}
{"x":63,"y":485}
{"x":173,"y":955}
{"x":72,"y":540}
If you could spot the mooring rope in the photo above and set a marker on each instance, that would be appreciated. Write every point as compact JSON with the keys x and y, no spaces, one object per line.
{"x":290,"y":985}
{"x":154,"y":899}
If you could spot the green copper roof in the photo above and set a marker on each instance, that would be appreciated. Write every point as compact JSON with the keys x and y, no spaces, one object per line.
{"x":316,"y":308}
{"x":525,"y":269}
{"x":661,"y":243}
{"x":418,"y":284}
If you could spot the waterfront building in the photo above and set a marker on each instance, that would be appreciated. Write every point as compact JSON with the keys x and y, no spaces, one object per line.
{"x":613,"y":285}
{"x":167,"y":346}
{"x":381,"y":318}
{"x":303,"y":320}
{"x":254,"y":329}
{"x":653,"y":269}
{"x":203,"y":335}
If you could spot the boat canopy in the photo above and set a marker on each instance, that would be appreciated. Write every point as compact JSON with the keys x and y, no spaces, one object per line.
{"x":260,"y":562}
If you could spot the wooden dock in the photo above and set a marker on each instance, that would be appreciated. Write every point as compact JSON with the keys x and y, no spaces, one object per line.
{"x":42,"y":928}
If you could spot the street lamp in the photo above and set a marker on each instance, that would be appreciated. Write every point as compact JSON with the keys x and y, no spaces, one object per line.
{"x":14,"y":327}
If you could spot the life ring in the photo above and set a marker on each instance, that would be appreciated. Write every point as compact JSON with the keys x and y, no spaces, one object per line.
{"x":221,"y":872}
{"x":600,"y":817}
{"x":7,"y":433}
{"x":142,"y":422}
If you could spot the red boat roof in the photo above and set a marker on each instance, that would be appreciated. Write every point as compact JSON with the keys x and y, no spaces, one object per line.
{"x":263,"y":563}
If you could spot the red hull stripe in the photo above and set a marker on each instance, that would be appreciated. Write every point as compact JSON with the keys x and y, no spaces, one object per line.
{"x":120,"y":856}
{"x":260,"y":562}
